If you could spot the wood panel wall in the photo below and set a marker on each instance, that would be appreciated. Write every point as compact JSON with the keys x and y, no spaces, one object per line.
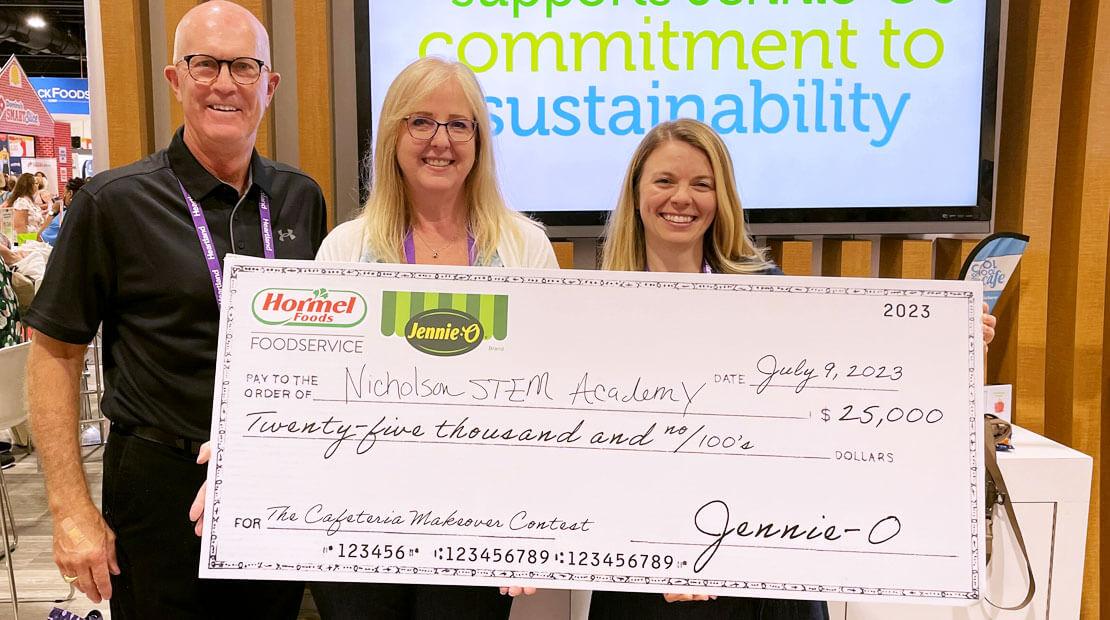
{"x":1076,"y":377}
{"x":264,"y":141}
{"x":173,"y":11}
{"x":564,"y":253}
{"x":1053,"y":170}
{"x":1033,"y":89}
{"x":129,"y":106}
{"x":793,"y":256}
{"x":848,"y":258}
{"x":906,"y":258}
{"x":314,"y":101}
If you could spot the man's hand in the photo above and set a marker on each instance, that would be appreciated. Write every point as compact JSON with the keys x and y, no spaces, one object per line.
{"x":85,"y":548}
{"x":196,"y":511}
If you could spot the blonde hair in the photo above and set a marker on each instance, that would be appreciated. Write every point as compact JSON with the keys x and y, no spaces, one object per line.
{"x":727,"y":246}
{"x":386,"y":214}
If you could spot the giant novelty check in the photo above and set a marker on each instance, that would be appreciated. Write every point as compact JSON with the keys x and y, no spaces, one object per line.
{"x":749,"y":436}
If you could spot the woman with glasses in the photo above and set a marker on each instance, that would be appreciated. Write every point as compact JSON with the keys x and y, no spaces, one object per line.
{"x":435,"y":201}
{"x":435,"y":198}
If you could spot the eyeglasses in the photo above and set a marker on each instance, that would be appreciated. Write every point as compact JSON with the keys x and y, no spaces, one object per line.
{"x":424,"y":128}
{"x":205,"y":69}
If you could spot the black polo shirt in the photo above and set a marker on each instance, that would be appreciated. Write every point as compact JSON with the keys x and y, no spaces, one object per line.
{"x":128,"y":257}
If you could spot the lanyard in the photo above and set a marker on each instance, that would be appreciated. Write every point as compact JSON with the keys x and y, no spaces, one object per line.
{"x":410,"y":249}
{"x":208,"y":247}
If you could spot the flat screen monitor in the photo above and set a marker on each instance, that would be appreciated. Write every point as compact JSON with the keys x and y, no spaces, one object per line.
{"x":840,"y":115}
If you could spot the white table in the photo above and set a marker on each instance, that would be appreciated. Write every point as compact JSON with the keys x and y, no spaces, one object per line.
{"x":1050,"y":485}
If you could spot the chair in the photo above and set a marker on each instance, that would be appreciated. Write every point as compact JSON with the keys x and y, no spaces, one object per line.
{"x":13,"y":410}
{"x":92,"y":391}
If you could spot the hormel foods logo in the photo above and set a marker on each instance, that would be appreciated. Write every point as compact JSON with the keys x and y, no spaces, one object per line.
{"x":13,"y":112}
{"x":296,"y":307}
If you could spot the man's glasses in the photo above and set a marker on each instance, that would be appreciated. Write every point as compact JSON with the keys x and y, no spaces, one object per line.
{"x":424,"y":128}
{"x":205,"y":69}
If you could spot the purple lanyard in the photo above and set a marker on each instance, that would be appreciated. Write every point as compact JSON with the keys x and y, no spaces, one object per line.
{"x":208,"y":247}
{"x":410,"y":249}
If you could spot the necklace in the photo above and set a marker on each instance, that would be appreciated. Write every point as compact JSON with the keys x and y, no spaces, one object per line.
{"x":435,"y":251}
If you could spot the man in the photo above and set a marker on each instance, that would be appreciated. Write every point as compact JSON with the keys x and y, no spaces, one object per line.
{"x":140,"y":252}
{"x":49,"y":232}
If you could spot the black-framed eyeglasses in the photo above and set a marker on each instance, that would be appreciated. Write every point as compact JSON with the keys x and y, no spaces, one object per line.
{"x":205,"y":69}
{"x":425,"y":128}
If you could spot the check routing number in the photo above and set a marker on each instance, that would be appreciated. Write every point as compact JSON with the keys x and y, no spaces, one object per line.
{"x":747,"y":436}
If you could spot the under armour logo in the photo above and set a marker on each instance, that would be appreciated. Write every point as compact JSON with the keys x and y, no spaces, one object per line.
{"x":286,"y":235}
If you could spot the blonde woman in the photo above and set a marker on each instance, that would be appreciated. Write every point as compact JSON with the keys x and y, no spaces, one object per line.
{"x":435,"y":201}
{"x":435,"y":197}
{"x":679,"y":211}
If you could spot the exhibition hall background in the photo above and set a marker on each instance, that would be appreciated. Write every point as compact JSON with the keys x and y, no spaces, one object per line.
{"x":1053,"y":185}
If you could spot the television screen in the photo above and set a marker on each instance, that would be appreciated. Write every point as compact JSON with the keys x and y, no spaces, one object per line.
{"x":834,"y":111}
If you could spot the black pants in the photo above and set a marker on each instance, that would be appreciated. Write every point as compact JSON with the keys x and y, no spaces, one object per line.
{"x":147,"y":490}
{"x":636,"y":606}
{"x":388,"y":601}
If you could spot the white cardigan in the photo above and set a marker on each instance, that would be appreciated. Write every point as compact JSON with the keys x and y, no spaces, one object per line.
{"x":531,"y":249}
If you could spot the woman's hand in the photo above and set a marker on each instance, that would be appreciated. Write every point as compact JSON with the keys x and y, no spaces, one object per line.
{"x":989,"y":323}
{"x":196,"y":511}
{"x":679,"y":598}
{"x":515,"y":591}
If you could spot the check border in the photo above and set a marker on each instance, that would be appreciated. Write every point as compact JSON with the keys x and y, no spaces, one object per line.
{"x":597,"y":581}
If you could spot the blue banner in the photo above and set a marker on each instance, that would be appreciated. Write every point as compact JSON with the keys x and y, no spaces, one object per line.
{"x":993,"y":262}
{"x":63,"y":95}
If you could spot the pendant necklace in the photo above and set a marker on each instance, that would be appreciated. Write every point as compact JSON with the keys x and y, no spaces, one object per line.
{"x":435,"y":251}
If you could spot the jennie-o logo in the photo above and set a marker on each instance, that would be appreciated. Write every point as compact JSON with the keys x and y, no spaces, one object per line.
{"x":444,"y":324}
{"x":299,"y":307}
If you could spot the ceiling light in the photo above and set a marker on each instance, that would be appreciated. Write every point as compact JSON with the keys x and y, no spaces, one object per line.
{"x":36,"y":21}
